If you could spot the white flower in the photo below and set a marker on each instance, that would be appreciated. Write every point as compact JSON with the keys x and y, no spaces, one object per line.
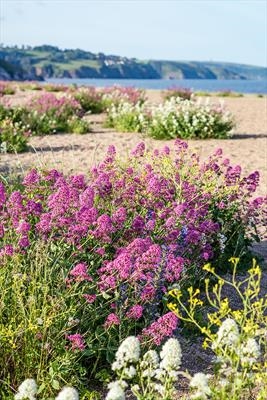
{"x":171,"y":355}
{"x":200,"y":383}
{"x":222,"y":239}
{"x":250,"y":352}
{"x":130,"y":372}
{"x":228,"y":334}
{"x":39,"y":321}
{"x":135,"y":389}
{"x":27,"y":390}
{"x":159,"y":388}
{"x":149,"y":363}
{"x":128,"y":352}
{"x":116,"y":391}
{"x":68,"y":393}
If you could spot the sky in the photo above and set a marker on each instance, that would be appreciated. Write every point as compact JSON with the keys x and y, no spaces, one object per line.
{"x":199,"y":30}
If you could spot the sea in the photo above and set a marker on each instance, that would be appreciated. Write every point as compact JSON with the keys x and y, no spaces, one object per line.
{"x":208,"y":85}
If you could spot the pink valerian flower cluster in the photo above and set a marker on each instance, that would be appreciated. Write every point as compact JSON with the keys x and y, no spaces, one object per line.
{"x":77,"y":342}
{"x":135,"y":312}
{"x":79,"y":273}
{"x":175,"y":91}
{"x":55,"y":105}
{"x":111,"y":320}
{"x":119,"y":93}
{"x":159,"y":330}
{"x":140,"y":226}
{"x":90,"y":298}
{"x":66,"y":206}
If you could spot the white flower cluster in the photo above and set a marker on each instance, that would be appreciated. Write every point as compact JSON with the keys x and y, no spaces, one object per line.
{"x":250,"y":352}
{"x":227,"y":335}
{"x":230,"y":348}
{"x":174,"y":118}
{"x":187,"y":118}
{"x":149,"y":364}
{"x":200,"y":382}
{"x":128,"y":352}
{"x":222,"y":240}
{"x":68,"y":393}
{"x":116,"y":391}
{"x":124,"y":111}
{"x":156,"y":374}
{"x":28,"y":390}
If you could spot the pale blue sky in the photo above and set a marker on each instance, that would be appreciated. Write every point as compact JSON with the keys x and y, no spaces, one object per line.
{"x":218,"y":30}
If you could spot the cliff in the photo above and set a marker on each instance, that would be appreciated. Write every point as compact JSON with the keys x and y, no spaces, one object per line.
{"x":41,"y":62}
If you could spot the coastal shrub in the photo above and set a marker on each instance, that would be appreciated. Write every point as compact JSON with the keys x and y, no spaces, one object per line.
{"x":126,"y":117}
{"x":236,"y":333}
{"x":52,"y":87}
{"x":51,"y":114}
{"x":13,"y":133}
{"x":182,"y":93}
{"x":59,"y":106}
{"x":88,"y":261}
{"x":90,"y":99}
{"x":78,"y":125}
{"x":47,"y":114}
{"x":6,"y":88}
{"x":229,"y":93}
{"x":30,"y":86}
{"x":185,"y":119}
{"x":202,"y":93}
{"x":116,"y":94}
{"x":188,"y":119}
{"x":237,"y":337}
{"x":13,"y":136}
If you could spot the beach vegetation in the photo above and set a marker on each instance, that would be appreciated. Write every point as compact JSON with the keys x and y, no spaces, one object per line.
{"x":182,"y":93}
{"x":228,"y":93}
{"x":89,"y":260}
{"x":6,"y":88}
{"x":175,"y":118}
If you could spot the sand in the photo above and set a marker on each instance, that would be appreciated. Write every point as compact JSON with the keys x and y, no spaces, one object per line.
{"x":77,"y":153}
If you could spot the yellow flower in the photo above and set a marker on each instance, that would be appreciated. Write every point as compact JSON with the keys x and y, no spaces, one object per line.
{"x":208,"y":268}
{"x":173,"y":307}
{"x":175,"y":293}
{"x":234,"y":260}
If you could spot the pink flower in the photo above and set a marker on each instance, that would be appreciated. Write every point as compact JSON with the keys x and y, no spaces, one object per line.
{"x":32,"y":178}
{"x":23,"y":227}
{"x":135,"y":312}
{"x":7,"y":250}
{"x":90,"y":298}
{"x":80,"y":273}
{"x":162,"y":328}
{"x":77,"y":342}
{"x":24,"y":242}
{"x":2,"y":194}
{"x":112,"y":319}
{"x":139,"y":150}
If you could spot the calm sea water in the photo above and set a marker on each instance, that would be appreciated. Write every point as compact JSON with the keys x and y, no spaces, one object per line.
{"x":209,"y":85}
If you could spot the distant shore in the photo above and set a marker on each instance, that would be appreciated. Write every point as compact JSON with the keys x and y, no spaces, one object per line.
{"x":206,"y":85}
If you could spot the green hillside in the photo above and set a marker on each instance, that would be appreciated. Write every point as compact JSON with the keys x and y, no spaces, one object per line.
{"x":47,"y":61}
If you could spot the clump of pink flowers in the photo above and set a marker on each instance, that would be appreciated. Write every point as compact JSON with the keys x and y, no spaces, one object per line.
{"x":77,"y":342}
{"x":130,"y":231}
